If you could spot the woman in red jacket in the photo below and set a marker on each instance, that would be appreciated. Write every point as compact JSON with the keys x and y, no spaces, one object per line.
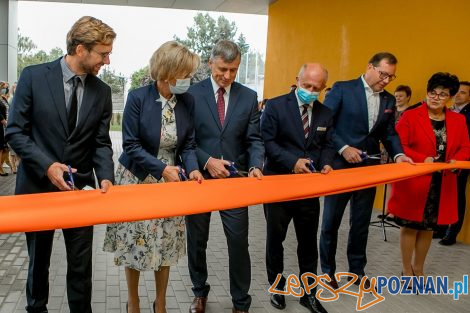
{"x":429,"y":133}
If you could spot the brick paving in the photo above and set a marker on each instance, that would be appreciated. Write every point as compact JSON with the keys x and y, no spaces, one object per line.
{"x":110,"y":290}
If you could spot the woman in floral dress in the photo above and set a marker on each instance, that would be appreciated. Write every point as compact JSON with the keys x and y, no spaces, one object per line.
{"x":158,"y":140}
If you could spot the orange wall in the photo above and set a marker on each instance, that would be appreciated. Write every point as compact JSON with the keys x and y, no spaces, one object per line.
{"x":426,"y":36}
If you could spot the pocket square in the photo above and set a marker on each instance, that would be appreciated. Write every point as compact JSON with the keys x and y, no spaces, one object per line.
{"x":388,"y":111}
{"x":321,"y":129}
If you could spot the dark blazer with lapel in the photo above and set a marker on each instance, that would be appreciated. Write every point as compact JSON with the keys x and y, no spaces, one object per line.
{"x":239,"y":139}
{"x":141,"y":131}
{"x":283,"y":135}
{"x":419,"y":142}
{"x":37,"y":129}
{"x":347,"y":100}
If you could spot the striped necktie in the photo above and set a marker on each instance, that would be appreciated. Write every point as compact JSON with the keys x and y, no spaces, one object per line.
{"x":305,"y":120}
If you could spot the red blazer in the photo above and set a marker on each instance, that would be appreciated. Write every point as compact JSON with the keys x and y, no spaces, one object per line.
{"x":419,"y":142}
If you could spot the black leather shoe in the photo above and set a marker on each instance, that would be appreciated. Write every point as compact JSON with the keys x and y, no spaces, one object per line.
{"x":313,"y":304}
{"x":278,"y":301}
{"x":447,"y":241}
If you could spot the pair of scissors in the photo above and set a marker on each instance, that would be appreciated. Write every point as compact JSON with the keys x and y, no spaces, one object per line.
{"x":234,"y":171}
{"x":182,"y":174}
{"x":365,"y":156}
{"x":70,"y":180}
{"x":311,"y":166}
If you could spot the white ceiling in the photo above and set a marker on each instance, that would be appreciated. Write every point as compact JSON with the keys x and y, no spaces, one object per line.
{"x":235,"y":6}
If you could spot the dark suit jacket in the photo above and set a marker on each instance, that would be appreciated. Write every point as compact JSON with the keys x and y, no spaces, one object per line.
{"x":283,"y":135}
{"x":419,"y":142}
{"x":347,"y":100}
{"x":38,"y":132}
{"x":239,"y":139}
{"x":466,"y":112}
{"x":142,"y":123}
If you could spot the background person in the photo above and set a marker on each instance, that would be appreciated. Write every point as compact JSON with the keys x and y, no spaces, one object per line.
{"x":77,"y":107}
{"x":462,"y":106}
{"x":157,"y":131}
{"x":4,"y":154}
{"x":429,"y":133}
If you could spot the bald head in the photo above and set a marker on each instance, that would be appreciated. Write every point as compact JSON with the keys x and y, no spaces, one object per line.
{"x":312,"y":77}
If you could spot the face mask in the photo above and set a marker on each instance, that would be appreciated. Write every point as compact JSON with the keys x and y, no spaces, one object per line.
{"x":182,"y":85}
{"x":4,"y":91}
{"x":306,"y":96}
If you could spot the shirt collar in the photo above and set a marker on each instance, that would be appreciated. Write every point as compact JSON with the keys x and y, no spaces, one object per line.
{"x":216,"y":87}
{"x":171,"y":102}
{"x":367,"y":87}
{"x":68,"y":73}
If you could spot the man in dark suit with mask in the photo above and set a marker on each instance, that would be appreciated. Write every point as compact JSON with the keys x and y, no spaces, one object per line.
{"x":59,"y":124}
{"x":298,"y":135}
{"x":226,"y":120}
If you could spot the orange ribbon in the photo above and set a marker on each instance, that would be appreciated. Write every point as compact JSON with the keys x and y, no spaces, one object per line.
{"x":147,"y":201}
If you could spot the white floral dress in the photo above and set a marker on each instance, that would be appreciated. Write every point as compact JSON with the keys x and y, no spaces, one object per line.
{"x":148,"y":245}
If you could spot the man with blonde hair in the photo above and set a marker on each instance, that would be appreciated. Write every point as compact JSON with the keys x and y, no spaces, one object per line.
{"x":59,"y":126}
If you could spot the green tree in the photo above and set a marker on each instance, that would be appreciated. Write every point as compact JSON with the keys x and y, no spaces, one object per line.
{"x":204,"y":34}
{"x":140,"y":78}
{"x":117,"y":82}
{"x":201,"y":37}
{"x":27,"y":54}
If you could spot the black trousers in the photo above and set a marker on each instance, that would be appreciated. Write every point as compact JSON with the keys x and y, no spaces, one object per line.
{"x":235,"y":223}
{"x":305,"y":214}
{"x":454,"y":229}
{"x":78,"y":244}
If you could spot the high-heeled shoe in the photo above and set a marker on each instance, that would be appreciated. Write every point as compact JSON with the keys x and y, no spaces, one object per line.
{"x":409,"y":287}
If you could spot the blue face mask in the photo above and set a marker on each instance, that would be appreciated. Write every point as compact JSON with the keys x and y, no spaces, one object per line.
{"x":4,"y":91}
{"x":182,"y":85}
{"x":306,"y":96}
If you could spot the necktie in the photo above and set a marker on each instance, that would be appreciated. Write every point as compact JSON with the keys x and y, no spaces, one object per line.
{"x":221,"y":105}
{"x":305,"y":120}
{"x":73,"y":104}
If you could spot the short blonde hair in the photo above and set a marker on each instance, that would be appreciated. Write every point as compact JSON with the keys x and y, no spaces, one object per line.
{"x":172,"y":60}
{"x":89,"y":31}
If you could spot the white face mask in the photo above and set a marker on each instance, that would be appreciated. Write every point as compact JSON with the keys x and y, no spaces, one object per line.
{"x":182,"y":85}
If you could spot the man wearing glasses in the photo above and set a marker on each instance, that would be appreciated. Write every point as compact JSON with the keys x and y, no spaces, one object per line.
{"x":59,"y":126}
{"x":364,"y":116}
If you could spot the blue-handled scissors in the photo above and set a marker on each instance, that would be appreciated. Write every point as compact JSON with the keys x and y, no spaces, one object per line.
{"x":234,"y":171}
{"x":70,"y":180}
{"x":182,"y":174}
{"x":311,"y":166}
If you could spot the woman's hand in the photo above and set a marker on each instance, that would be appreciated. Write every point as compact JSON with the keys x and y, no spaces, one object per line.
{"x":429,"y":160}
{"x":196,"y":175}
{"x":170,"y":174}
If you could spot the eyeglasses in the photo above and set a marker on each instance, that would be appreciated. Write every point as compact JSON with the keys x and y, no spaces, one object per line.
{"x":103,"y":55}
{"x":441,"y":96}
{"x":385,"y":75}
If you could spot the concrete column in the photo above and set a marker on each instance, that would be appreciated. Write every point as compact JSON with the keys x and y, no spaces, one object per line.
{"x":8,"y":40}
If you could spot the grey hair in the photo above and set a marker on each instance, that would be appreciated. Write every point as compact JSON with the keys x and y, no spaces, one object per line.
{"x":227,"y":50}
